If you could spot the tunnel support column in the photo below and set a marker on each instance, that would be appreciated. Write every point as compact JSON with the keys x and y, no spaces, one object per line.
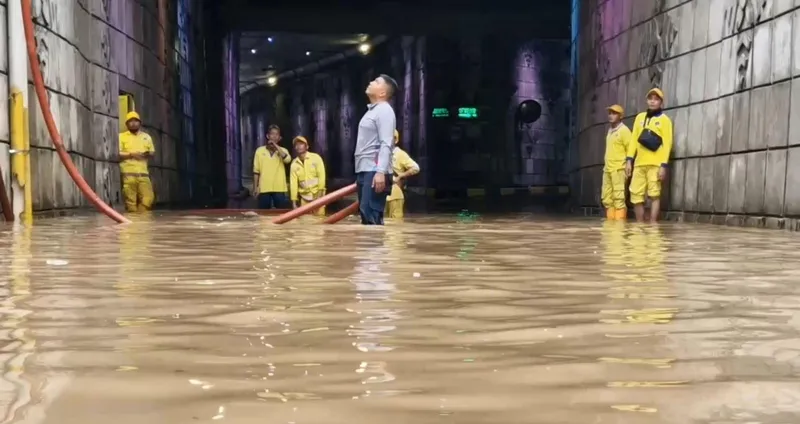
{"x":22,"y":203}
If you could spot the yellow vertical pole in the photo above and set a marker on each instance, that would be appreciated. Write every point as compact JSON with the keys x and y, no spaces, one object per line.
{"x":21,"y":158}
{"x":123,"y":110}
{"x":126,"y":105}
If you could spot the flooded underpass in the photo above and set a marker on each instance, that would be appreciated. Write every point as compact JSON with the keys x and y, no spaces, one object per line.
{"x":444,"y":319}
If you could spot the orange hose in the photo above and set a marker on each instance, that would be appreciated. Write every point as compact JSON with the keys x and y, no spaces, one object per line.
{"x":308,"y":207}
{"x":44,"y":104}
{"x":342,"y":214}
{"x":5,"y":202}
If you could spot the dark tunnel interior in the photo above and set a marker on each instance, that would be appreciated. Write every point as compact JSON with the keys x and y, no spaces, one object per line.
{"x":483,"y":103}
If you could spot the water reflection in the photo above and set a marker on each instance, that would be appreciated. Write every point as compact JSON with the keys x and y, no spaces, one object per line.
{"x":513,"y":319}
{"x":135,"y":259}
{"x":374,"y":306}
{"x":19,"y":343}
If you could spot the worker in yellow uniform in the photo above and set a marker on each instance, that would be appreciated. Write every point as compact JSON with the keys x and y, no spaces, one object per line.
{"x":135,"y":149}
{"x":402,"y":167}
{"x":648,"y":155}
{"x":269,"y":171}
{"x":617,"y":141}
{"x":306,"y":176}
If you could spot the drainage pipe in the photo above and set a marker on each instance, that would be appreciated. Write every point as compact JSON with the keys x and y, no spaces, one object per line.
{"x":5,"y":203}
{"x":44,"y":104}
{"x":342,"y":214}
{"x":316,"y":204}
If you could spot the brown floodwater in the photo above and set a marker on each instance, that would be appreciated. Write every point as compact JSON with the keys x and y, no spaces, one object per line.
{"x":510,"y":319}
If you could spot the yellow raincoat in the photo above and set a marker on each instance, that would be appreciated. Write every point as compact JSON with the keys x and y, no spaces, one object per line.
{"x":307,"y":180}
{"x":401,"y":162}
{"x":137,"y":189}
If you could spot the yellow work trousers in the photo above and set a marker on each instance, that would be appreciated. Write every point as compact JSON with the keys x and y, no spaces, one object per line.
{"x":645,"y":181}
{"x":138,"y":193}
{"x":613,"y":191}
{"x":394,"y":209}
{"x":318,"y":212}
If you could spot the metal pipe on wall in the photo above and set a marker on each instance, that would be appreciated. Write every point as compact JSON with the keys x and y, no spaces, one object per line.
{"x":21,"y":198}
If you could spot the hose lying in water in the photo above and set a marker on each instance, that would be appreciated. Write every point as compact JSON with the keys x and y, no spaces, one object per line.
{"x":5,"y":202}
{"x":55,"y":137}
{"x":342,"y":214}
{"x":308,"y":207}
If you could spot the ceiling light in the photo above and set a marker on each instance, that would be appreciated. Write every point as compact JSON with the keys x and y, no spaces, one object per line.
{"x":308,"y":53}
{"x":253,"y":51}
{"x":364,"y":48}
{"x":270,"y":39}
{"x":272,"y":81}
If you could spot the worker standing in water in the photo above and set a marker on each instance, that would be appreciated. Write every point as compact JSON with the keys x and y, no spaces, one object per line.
{"x":648,"y":155}
{"x":617,"y":142}
{"x":135,"y":149}
{"x":373,"y":154}
{"x":402,"y":167}
{"x":269,"y":171}
{"x":306,"y":176}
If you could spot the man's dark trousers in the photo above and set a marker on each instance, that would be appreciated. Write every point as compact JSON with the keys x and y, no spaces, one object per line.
{"x":273,"y":200}
{"x":371,"y":204}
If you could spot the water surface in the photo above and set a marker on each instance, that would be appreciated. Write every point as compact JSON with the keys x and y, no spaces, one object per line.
{"x":515,"y":319}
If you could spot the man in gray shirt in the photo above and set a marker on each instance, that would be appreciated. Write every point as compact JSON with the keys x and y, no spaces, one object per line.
{"x":373,"y":156}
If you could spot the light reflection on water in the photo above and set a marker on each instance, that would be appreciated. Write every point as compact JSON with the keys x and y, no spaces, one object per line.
{"x":512,"y":319}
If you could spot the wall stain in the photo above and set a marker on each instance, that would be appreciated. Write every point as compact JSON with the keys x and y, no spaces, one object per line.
{"x":660,"y":35}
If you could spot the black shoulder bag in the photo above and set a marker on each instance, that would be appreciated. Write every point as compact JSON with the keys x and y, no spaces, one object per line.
{"x":649,"y":139}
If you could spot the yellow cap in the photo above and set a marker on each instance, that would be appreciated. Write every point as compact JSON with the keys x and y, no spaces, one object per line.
{"x":132,"y":115}
{"x":616,"y":109}
{"x":657,"y":91}
{"x":396,"y":137}
{"x":300,"y":139}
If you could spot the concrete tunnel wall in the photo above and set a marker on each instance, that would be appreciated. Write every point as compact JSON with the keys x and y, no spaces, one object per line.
{"x":90,"y":51}
{"x":729,"y":71}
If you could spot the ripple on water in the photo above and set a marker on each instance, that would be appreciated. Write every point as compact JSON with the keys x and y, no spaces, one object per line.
{"x":178,"y":318}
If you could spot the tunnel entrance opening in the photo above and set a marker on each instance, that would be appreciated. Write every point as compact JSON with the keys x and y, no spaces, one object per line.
{"x":483,"y":98}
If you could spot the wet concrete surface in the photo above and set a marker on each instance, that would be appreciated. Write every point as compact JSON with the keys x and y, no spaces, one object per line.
{"x":441,"y":319}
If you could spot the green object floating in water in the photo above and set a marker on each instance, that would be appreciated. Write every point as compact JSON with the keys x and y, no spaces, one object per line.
{"x":467,"y":216}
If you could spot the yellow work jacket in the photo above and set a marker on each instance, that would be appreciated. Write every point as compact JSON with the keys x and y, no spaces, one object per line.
{"x":135,"y":143}
{"x":271,"y":169}
{"x":659,"y":124}
{"x":617,"y":141}
{"x":307,"y":177}
{"x":401,"y":162}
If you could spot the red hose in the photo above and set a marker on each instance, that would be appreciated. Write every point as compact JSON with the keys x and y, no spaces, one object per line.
{"x":44,"y":104}
{"x":342,"y":214}
{"x":5,"y":202}
{"x":308,"y":207}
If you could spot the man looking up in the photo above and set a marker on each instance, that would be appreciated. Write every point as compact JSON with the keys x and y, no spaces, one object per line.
{"x":269,"y":171}
{"x":135,"y":149}
{"x":648,"y":155}
{"x":373,"y":154}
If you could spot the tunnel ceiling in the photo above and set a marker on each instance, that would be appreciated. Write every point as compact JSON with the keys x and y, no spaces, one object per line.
{"x":267,"y":53}
{"x":535,"y":18}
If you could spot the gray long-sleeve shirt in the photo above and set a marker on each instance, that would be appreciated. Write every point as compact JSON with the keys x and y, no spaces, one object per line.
{"x":375,"y":139}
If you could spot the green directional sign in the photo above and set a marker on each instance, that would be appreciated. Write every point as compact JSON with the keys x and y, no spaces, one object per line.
{"x":440,"y":112}
{"x":468,"y":113}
